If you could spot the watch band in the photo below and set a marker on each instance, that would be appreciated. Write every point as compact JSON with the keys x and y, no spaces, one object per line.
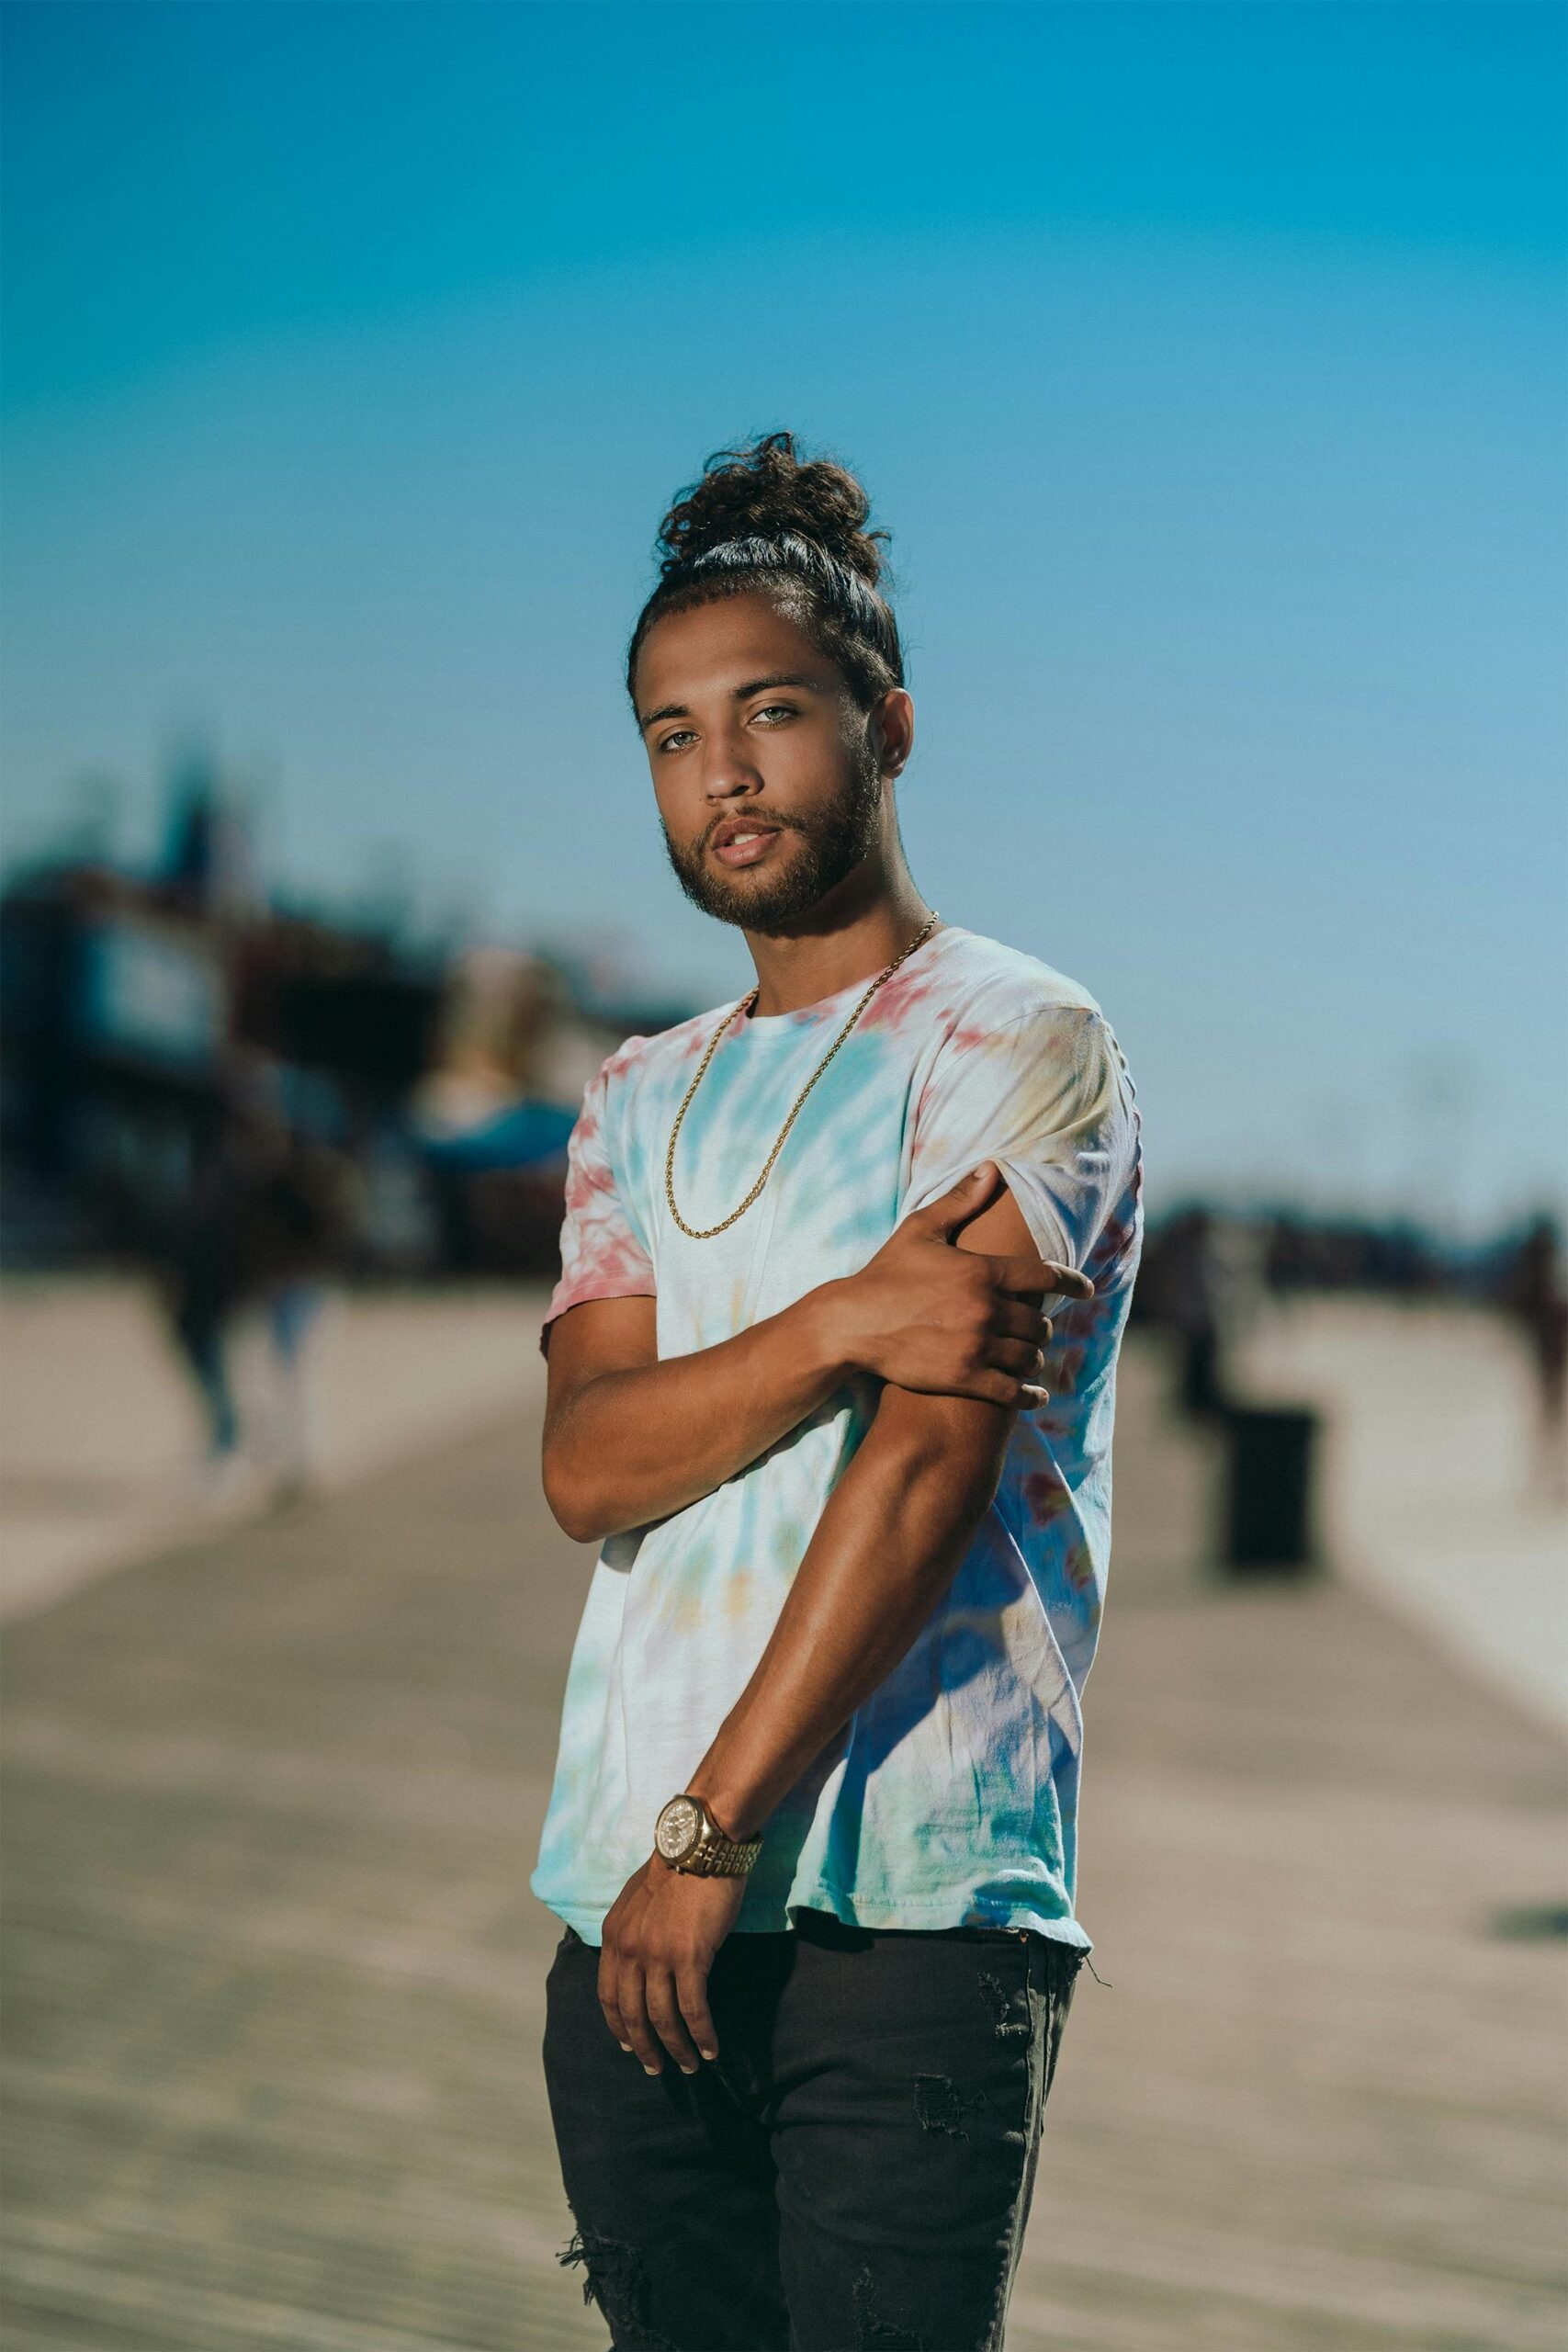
{"x":690,"y":1840}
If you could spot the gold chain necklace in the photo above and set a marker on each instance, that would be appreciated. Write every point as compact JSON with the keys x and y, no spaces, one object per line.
{"x":706,"y":1233}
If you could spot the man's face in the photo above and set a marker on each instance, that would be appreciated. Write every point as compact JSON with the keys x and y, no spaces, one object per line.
{"x":768,"y":777}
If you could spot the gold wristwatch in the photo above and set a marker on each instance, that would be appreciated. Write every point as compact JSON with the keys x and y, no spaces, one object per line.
{"x":689,"y":1839}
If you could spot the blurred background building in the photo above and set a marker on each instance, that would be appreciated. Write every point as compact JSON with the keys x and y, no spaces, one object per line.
{"x":130,"y":1001}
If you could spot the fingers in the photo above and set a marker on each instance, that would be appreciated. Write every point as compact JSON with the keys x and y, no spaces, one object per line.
{"x":631,"y":1999}
{"x":1022,"y":1373}
{"x":1037,"y":1278}
{"x":664,"y":2010}
{"x":691,"y":1987}
{"x":1022,"y":1356}
{"x":963,"y":1200}
{"x":666,"y":2006}
{"x":609,"y":1998}
{"x":1010,"y":1375}
{"x":1067,"y":1280}
{"x":1006,"y":1388}
{"x":1011,"y":1319}
{"x":1018,"y":1277}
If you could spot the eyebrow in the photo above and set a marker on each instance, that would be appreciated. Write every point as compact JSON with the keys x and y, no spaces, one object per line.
{"x":738,"y":694}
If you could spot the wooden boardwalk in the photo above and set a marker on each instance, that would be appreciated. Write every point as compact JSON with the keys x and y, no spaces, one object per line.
{"x":274,"y":1979}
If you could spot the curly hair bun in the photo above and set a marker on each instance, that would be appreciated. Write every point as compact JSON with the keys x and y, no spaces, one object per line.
{"x":764,"y":492}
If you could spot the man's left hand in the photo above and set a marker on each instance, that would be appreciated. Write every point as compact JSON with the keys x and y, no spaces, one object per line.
{"x":660,"y":1935}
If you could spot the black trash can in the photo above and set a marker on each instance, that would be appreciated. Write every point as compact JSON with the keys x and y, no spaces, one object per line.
{"x":1268,"y":1512}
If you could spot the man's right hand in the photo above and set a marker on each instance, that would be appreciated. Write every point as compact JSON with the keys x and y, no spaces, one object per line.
{"x":951,"y":1321}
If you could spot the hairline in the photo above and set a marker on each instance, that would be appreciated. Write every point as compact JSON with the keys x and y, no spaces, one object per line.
{"x":778,"y":586}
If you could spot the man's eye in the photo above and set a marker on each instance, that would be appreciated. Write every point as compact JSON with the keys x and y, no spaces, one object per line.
{"x":669,"y":743}
{"x":782,"y":709}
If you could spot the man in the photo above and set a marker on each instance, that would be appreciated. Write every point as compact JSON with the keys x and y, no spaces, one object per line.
{"x":812,"y":1833}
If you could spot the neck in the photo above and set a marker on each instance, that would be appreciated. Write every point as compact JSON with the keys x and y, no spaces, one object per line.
{"x":797,"y":966}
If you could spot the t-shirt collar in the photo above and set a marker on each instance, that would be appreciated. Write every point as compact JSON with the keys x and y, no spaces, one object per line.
{"x":826,"y":1012}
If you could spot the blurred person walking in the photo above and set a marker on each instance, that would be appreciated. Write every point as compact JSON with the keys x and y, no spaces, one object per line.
{"x":1537,"y":1296}
{"x":831,"y":1373}
{"x":1189,"y":1296}
{"x":1204,"y":1278}
{"x":270,"y":1215}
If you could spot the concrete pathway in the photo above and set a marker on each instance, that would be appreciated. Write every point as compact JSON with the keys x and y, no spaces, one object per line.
{"x":101,"y":1437}
{"x":1431,"y":1498}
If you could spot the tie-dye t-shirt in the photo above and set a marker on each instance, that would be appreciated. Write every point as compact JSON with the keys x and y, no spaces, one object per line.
{"x":951,"y":1797}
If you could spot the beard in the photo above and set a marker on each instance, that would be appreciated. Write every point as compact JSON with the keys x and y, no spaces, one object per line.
{"x":832,"y":845}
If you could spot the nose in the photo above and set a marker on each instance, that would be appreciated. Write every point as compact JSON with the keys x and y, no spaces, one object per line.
{"x":730,"y":772}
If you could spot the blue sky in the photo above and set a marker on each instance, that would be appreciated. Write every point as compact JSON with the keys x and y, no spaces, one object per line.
{"x":1206,"y":364}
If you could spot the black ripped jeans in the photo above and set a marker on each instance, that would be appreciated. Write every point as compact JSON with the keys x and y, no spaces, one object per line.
{"x":852,"y":2174}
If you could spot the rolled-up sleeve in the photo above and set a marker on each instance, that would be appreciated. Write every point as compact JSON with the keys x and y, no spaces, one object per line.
{"x":1047,"y":1096}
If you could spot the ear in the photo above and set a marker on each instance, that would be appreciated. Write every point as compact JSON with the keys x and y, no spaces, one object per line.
{"x":892,"y":722}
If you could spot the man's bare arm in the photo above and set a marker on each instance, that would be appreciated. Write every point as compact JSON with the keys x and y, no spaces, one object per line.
{"x":629,"y":1438}
{"x":889,"y":1538}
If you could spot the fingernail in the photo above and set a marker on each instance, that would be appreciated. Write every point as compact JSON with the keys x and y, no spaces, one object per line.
{"x":709,"y":2054}
{"x":650,"y":2070}
{"x":688,"y":2070}
{"x":627,"y":2046}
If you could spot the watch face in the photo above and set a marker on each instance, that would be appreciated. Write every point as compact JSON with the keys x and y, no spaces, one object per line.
{"x":678,"y":1830}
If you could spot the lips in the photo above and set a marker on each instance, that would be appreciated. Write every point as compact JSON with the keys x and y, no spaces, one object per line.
{"x":739,"y":844}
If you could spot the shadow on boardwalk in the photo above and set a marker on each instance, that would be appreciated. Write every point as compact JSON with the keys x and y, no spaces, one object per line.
{"x":275,"y":1978}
